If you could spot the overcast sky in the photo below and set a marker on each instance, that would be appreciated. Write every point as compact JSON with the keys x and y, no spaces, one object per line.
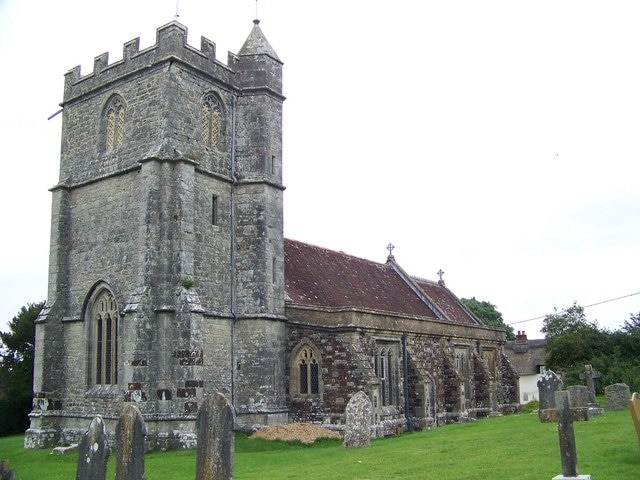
{"x":495,"y":140}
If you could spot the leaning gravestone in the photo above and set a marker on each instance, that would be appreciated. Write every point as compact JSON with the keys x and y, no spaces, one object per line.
{"x":616,"y":396}
{"x":214,"y":426}
{"x":548,"y":384}
{"x":357,"y":431}
{"x":130,"y":433}
{"x":567,"y":439}
{"x":93,"y":452}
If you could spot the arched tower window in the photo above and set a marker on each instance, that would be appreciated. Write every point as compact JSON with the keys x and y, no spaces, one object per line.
{"x":306,"y":377}
{"x":104,"y":318}
{"x":114,"y":127}
{"x":211,"y":121}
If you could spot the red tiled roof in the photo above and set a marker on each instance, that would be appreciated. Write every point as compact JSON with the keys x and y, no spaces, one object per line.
{"x":446,"y":302}
{"x":319,"y":277}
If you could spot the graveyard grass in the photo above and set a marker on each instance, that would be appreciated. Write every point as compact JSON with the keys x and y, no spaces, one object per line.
{"x":507,"y":448}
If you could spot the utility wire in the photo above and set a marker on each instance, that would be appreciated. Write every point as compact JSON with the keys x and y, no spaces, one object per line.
{"x":586,"y":306}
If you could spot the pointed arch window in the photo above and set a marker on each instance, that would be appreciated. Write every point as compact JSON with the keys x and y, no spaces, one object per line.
{"x":306,"y":378}
{"x":211,"y":121}
{"x":114,"y":128}
{"x":104,"y":318}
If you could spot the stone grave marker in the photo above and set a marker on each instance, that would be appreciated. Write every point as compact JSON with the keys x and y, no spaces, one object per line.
{"x":130,"y":433}
{"x":5,"y":472}
{"x":617,"y":396}
{"x":548,"y":384}
{"x":214,"y":426}
{"x":93,"y":452}
{"x":567,"y":439}
{"x":358,"y":414}
{"x":590,"y":375}
{"x":634,"y":407}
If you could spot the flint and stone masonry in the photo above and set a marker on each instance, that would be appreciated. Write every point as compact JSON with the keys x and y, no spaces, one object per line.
{"x":170,"y":278}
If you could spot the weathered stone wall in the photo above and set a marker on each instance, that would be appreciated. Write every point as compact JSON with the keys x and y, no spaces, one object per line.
{"x":200,"y":295}
{"x":346,"y":368}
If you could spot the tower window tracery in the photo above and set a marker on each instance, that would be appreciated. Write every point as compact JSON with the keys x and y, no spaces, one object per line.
{"x":104,"y":318}
{"x":115,"y":125}
{"x":211,"y":121}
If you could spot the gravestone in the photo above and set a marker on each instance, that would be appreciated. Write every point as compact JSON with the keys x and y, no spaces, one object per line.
{"x":634,"y":407}
{"x":616,"y":396}
{"x":590,"y":375}
{"x":214,"y":426}
{"x":567,"y":439}
{"x":358,"y":414}
{"x":130,"y":433}
{"x":548,"y":384}
{"x":5,"y":472}
{"x":578,"y":396}
{"x":93,"y":452}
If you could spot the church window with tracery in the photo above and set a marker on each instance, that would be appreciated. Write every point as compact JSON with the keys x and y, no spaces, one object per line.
{"x":104,"y":316}
{"x":306,"y":377}
{"x":114,"y":132}
{"x":211,"y":121}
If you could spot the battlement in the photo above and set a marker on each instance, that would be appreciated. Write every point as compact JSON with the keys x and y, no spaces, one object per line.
{"x":171,"y":43}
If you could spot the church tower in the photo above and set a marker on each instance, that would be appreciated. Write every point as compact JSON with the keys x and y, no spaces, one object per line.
{"x":166,"y":278}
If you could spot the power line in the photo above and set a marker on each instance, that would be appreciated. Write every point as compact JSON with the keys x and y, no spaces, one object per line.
{"x":586,"y":306}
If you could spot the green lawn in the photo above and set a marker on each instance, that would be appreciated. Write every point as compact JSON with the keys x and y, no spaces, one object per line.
{"x":508,"y":448}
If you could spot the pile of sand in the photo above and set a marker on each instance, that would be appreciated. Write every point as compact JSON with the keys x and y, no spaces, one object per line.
{"x":304,"y":432}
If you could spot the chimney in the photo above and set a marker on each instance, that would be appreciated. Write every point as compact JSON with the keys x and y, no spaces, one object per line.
{"x":521,"y":337}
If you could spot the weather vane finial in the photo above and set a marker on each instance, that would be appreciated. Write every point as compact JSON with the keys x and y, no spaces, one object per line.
{"x":178,"y":8}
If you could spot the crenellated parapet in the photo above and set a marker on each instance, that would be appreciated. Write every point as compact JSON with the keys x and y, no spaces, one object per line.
{"x":171,"y":45}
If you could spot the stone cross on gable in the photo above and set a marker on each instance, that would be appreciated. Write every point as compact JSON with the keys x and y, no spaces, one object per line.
{"x":390,"y":247}
{"x":440,"y":274}
{"x":590,"y":375}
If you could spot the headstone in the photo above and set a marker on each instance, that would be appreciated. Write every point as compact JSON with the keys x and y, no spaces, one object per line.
{"x":578,"y":396}
{"x":130,"y":433}
{"x":548,"y":384}
{"x":358,"y":414}
{"x":616,"y":396}
{"x":634,"y":407}
{"x":567,"y":439}
{"x":214,"y":426}
{"x":589,"y":375}
{"x":5,"y":472}
{"x":93,"y":452}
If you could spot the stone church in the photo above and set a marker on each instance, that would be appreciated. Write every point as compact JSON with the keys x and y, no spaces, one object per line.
{"x":170,"y":278}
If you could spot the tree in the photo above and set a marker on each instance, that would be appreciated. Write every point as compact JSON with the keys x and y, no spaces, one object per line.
{"x":16,"y":370}
{"x":573,"y":341}
{"x":489,"y":315}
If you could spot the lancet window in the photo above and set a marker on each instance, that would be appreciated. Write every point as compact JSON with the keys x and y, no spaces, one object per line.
{"x":104,"y":316}
{"x":211,"y":121}
{"x":386,"y":368}
{"x":114,"y":131}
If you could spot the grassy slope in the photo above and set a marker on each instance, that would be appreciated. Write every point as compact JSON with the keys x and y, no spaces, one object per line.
{"x":507,"y":448}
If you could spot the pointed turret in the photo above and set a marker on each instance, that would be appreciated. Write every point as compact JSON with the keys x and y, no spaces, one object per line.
{"x":257,"y":44}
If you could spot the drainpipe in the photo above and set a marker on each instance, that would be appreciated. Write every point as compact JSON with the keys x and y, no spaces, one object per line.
{"x":232,"y":242}
{"x":405,"y":367}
